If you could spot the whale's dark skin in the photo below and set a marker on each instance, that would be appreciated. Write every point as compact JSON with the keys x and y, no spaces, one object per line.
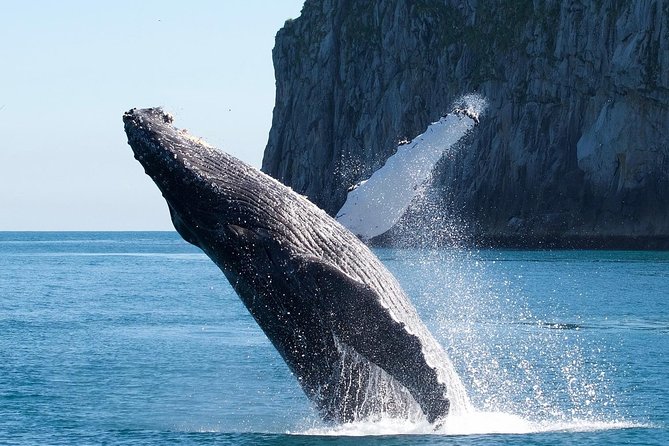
{"x":328,"y":305}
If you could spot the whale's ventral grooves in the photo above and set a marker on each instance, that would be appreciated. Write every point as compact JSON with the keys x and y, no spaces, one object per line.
{"x":336,"y":315}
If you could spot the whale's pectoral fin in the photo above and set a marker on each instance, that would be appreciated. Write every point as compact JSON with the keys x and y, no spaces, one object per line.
{"x":359,"y":320}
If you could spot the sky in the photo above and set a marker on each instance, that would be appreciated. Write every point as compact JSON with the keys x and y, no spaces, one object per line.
{"x":71,"y":68}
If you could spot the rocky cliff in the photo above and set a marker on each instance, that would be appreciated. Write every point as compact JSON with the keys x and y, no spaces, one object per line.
{"x":573,"y":149}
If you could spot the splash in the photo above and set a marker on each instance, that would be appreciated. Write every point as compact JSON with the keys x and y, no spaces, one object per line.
{"x":475,"y":423}
{"x":367,"y":392}
{"x":510,"y":359}
{"x":523,"y":373}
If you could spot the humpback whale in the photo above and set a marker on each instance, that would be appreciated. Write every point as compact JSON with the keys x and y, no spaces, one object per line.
{"x":335,"y":314}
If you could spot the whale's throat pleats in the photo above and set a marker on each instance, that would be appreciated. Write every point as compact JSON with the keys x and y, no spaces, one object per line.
{"x":182,"y":228}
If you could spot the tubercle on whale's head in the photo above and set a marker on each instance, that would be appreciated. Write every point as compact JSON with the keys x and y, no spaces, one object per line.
{"x":145,"y":129}
{"x":138,"y":114}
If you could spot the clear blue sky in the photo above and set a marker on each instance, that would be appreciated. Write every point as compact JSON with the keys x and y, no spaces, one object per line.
{"x":71,"y":68}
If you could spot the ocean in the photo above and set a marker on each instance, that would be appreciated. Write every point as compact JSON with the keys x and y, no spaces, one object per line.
{"x":137,"y":338}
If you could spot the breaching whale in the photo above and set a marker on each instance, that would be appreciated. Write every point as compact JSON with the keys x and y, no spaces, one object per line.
{"x":335,"y":314}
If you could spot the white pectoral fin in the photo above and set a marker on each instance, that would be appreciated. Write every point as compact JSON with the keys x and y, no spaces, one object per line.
{"x":357,"y":316}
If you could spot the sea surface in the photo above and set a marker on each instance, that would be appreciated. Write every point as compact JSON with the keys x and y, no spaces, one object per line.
{"x":138,"y":339}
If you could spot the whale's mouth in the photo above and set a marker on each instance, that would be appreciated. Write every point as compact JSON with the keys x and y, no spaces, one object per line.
{"x":160,"y":147}
{"x":184,"y":168}
{"x":168,"y":153}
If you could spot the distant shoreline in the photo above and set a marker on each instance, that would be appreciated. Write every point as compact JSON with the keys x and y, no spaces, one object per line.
{"x":548,"y":242}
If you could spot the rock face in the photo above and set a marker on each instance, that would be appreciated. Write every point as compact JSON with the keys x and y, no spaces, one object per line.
{"x":574,"y":147}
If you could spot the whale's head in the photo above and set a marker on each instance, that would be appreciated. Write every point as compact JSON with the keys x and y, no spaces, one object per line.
{"x":210,"y":194}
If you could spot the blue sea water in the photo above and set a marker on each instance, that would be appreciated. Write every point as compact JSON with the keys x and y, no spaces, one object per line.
{"x":137,"y":338}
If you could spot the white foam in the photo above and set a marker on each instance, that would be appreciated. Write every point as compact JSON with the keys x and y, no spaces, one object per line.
{"x":474,"y":423}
